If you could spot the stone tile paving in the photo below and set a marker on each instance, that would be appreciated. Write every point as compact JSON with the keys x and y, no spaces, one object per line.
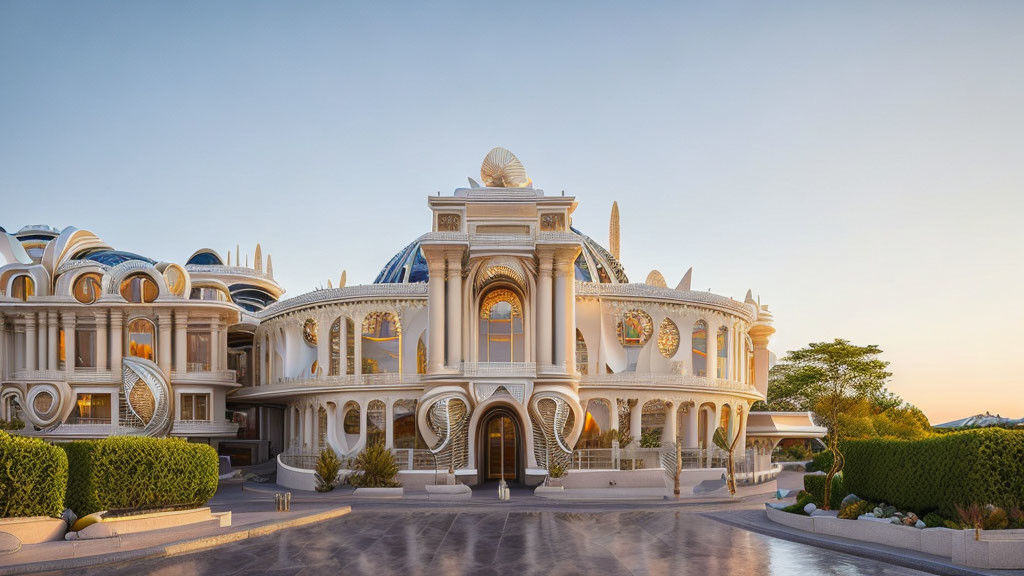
{"x":512,"y":541}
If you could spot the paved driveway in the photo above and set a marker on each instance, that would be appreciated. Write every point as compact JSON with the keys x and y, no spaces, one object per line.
{"x":495,"y":541}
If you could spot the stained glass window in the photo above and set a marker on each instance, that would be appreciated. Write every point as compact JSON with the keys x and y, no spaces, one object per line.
{"x":668,"y":338}
{"x":699,"y":341}
{"x":635,"y":328}
{"x":723,"y":352}
{"x":382,"y":337}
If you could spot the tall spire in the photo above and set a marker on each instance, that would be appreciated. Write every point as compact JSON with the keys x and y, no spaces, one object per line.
{"x":613,"y":231}
{"x":341,"y":282}
{"x":258,"y":264}
{"x":238,"y":260}
{"x":229,"y":257}
{"x":270,"y":266}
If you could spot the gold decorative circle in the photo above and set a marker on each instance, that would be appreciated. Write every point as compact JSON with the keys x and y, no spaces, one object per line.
{"x":635,"y":328}
{"x":668,"y":338}
{"x":309,"y":330}
{"x":174,"y":277}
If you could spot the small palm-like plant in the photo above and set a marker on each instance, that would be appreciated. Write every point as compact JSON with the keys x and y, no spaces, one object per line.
{"x":556,"y":470}
{"x":651,"y":438}
{"x":327,"y":467}
{"x":375,"y":467}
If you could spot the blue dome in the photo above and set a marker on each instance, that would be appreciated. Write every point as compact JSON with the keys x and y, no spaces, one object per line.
{"x":114,"y":257}
{"x":594,"y":264}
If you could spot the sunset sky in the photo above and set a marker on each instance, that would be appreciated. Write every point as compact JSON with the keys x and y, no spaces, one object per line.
{"x":859,"y":166}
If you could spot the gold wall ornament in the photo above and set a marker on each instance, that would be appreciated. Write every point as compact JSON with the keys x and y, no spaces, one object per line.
{"x":501,"y":295}
{"x":449,"y":223}
{"x":552,"y":222}
{"x":501,"y":169}
{"x":142,"y":401}
{"x":634,"y":328}
{"x":668,"y":338}
{"x":309,"y":331}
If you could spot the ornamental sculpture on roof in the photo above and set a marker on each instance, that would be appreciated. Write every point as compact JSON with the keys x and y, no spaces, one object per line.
{"x":501,"y":169}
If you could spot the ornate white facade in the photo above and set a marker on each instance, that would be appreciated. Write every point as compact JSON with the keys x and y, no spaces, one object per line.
{"x":502,"y":325}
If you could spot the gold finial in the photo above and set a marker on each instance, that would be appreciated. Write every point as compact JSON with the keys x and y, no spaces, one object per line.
{"x":270,"y":267}
{"x":258,"y":258}
{"x":613,"y":231}
{"x":501,"y":169}
{"x":238,"y":260}
{"x":229,"y":257}
{"x":329,"y":285}
{"x":344,"y":277}
{"x":656,"y":279}
{"x":246,"y":260}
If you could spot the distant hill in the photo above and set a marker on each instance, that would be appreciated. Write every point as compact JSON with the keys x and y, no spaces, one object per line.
{"x":982,"y":421}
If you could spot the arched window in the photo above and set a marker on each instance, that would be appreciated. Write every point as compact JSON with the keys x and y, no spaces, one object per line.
{"x":375,"y":422}
{"x":350,"y":419}
{"x":723,"y":352}
{"x":406,"y":432}
{"x":726,"y":422}
{"x":23,"y":287}
{"x":139,"y":288}
{"x":699,"y":341}
{"x":582,"y":358}
{"x":87,"y":287}
{"x":382,"y":343}
{"x":421,"y":357}
{"x":335,"y":367}
{"x":142,"y":339}
{"x":350,"y":346}
{"x":321,"y":427}
{"x":501,"y":327}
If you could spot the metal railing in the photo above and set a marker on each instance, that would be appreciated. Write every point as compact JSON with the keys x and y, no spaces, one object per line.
{"x":499,"y":368}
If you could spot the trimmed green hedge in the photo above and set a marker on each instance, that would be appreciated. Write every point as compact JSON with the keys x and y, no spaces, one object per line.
{"x":936,"y":474}
{"x":822,"y":461}
{"x":136,"y":472}
{"x":815,"y":485}
{"x":33,"y":477}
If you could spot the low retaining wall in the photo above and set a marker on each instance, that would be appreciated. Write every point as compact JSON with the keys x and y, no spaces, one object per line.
{"x":34,"y":529}
{"x":996,"y":549}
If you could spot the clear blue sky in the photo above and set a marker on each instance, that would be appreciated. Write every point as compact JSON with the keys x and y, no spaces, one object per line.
{"x":858,"y":165}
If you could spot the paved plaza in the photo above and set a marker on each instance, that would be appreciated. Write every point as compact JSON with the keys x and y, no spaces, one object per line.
{"x":513,"y":541}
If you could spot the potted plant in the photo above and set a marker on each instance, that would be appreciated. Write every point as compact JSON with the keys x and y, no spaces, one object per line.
{"x":555,"y":474}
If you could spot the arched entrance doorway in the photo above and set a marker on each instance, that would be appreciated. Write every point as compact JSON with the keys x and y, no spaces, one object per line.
{"x":500,"y":442}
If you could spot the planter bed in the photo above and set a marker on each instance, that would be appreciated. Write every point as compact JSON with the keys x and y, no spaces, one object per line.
{"x":34,"y":529}
{"x":449,"y":492}
{"x":109,"y":526}
{"x":996,"y":549}
{"x":379,"y":492}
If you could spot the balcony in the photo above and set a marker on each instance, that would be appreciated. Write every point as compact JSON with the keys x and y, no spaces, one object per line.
{"x":641,"y":380}
{"x":500,"y":369}
{"x":204,"y":428}
{"x":203,"y":377}
{"x":41,"y":375}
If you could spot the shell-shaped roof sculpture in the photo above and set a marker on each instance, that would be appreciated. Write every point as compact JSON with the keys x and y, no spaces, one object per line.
{"x":501,"y":169}
{"x":655,"y":278}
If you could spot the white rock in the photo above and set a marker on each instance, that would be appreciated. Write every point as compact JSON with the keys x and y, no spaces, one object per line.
{"x":920,"y":524}
{"x":810,"y":508}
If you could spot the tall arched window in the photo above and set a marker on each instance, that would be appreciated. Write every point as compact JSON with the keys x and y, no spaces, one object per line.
{"x":23,"y":287}
{"x":501,"y":327}
{"x":723,"y":352}
{"x":382,"y":343}
{"x":139,"y":288}
{"x":321,"y":427}
{"x":699,"y":341}
{"x":375,"y":422}
{"x":350,"y":346}
{"x":582,"y":358}
{"x":335,"y":367}
{"x":142,"y":339}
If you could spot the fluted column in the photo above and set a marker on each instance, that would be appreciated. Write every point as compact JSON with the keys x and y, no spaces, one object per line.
{"x":116,"y":341}
{"x":454,"y":309}
{"x":164,"y":344}
{"x":692,"y":420}
{"x":31,"y":341}
{"x":435,"y":318}
{"x":760,"y":335}
{"x":101,"y":341}
{"x":668,"y":433}
{"x":544,"y":314}
{"x":712,"y":359}
{"x":41,"y":335}
{"x":68,"y":320}
{"x":53,"y":343}
{"x":180,"y":341}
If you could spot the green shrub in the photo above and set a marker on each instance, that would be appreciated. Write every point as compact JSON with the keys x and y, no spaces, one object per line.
{"x":815,"y":485}
{"x":374,"y":467}
{"x":854,"y":510}
{"x":933,"y":520}
{"x":651,"y":438}
{"x":14,"y":424}
{"x":135,"y":472}
{"x":821,"y":462}
{"x":941,"y":472}
{"x":327,"y":467}
{"x":33,"y":477}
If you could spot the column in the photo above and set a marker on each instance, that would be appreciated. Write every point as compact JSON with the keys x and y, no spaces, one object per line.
{"x":214,"y":343}
{"x":435,"y":318}
{"x":180,"y":341}
{"x":668,"y":434}
{"x":223,"y":358}
{"x":636,"y":422}
{"x":53,"y":340}
{"x":116,"y":344}
{"x":163,"y":355}
{"x":389,"y":424}
{"x":68,"y":319}
{"x":323,"y":345}
{"x":713,"y":418}
{"x":343,"y":338}
{"x":454,"y":309}
{"x":712,"y":359}
{"x":560,"y":306}
{"x":613,"y":413}
{"x":307,"y":427}
{"x":544,"y":310}
{"x":357,"y":327}
{"x":41,"y":334}
{"x":101,"y":341}
{"x":31,"y":341}
{"x":760,"y":335}
{"x":692,"y":419}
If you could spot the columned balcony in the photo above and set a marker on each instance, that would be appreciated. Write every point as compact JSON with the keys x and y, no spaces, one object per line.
{"x":499,"y":369}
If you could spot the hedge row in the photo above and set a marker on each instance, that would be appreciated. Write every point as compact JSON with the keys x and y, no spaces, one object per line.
{"x":939,"y":473}
{"x":133,"y":472}
{"x":33,"y":474}
{"x":814,"y":484}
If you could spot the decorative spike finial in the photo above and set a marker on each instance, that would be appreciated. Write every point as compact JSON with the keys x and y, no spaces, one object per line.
{"x":270,"y":266}
{"x":229,"y":257}
{"x":684,"y":284}
{"x":749,"y":298}
{"x":613,"y":231}
{"x":238,"y":260}
{"x":329,"y":285}
{"x":258,"y":257}
{"x":343,"y":279}
{"x":246,"y":260}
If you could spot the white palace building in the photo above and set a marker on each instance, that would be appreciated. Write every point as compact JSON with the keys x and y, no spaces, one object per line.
{"x":499,"y":343}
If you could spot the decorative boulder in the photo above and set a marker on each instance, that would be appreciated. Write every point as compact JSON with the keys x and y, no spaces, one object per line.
{"x":920,"y":524}
{"x":810,"y":508}
{"x":850,"y":499}
{"x":781,"y":493}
